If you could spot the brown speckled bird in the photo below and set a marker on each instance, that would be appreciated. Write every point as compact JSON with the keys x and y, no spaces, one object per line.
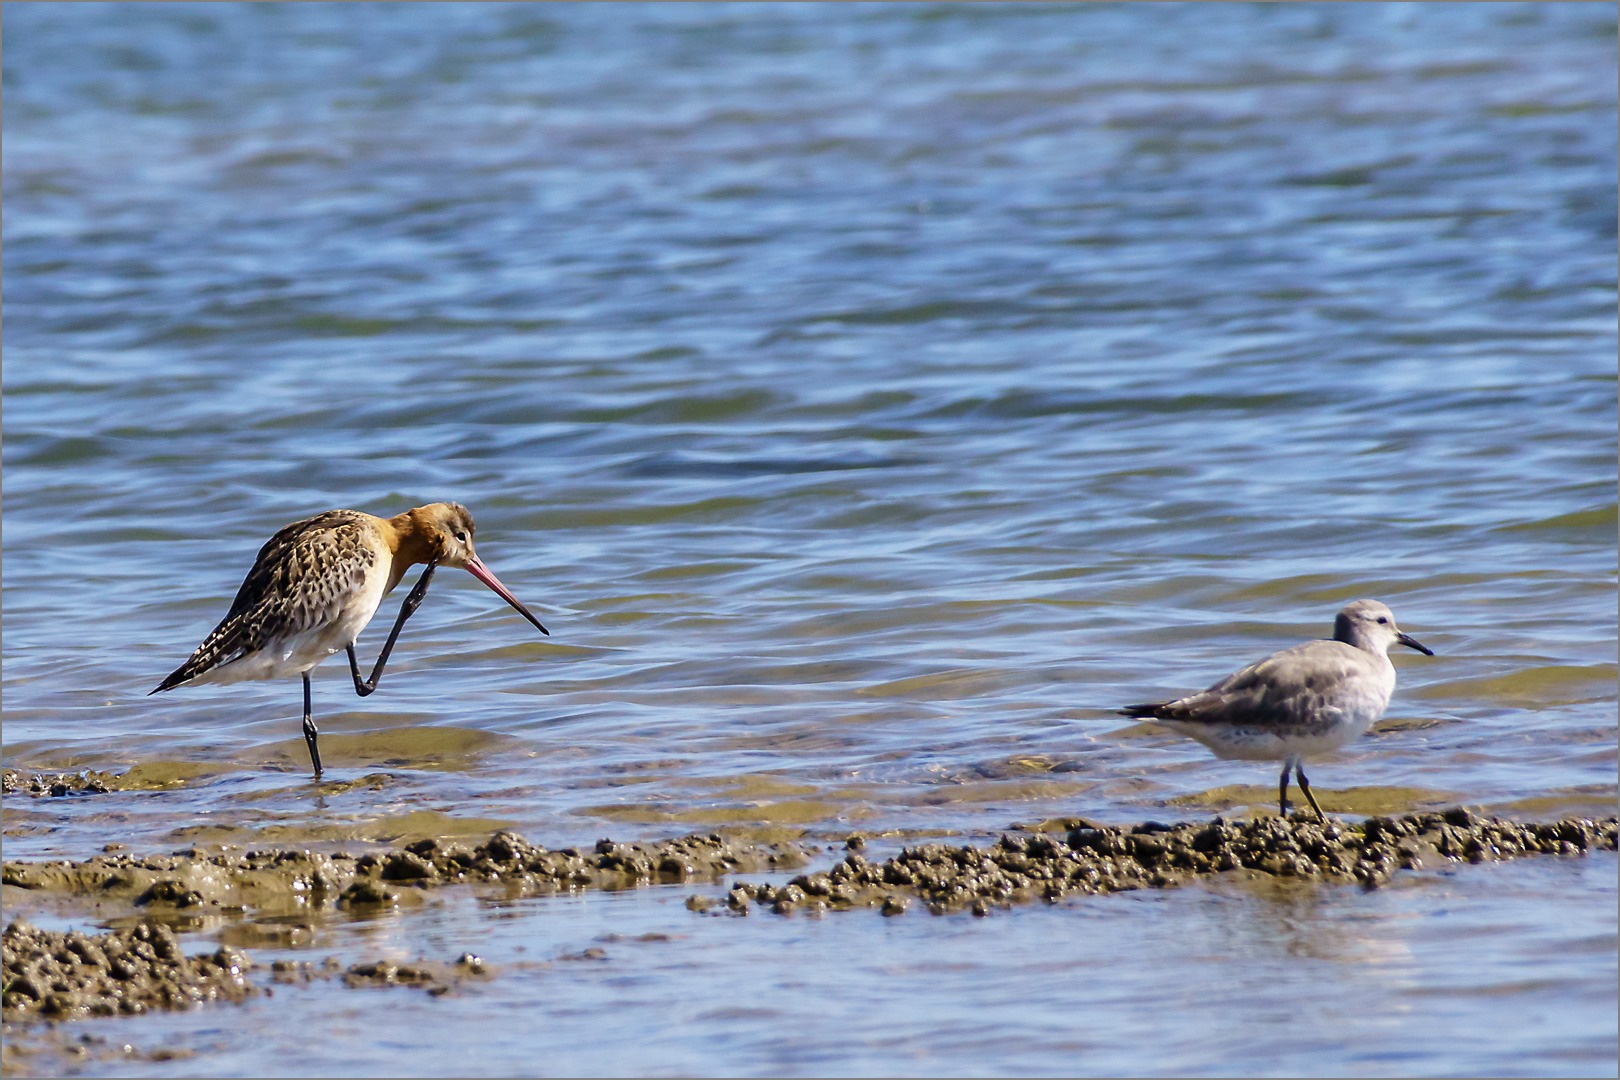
{"x":315,"y":586}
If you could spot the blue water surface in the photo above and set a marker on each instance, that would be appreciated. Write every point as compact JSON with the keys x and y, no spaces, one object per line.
{"x":870,"y":399}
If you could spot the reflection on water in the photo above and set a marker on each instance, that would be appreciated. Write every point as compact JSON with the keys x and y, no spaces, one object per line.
{"x":870,"y":399}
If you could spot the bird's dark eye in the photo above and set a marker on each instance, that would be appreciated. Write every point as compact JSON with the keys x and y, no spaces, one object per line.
{"x":1382,"y":619}
{"x":463,"y":538}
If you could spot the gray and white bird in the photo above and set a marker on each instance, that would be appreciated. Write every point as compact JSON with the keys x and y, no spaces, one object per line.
{"x":1302,"y":701}
{"x":317,"y":583}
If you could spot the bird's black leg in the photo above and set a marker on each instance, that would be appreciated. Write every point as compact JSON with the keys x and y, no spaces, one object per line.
{"x":1282,"y":791}
{"x":1305,"y":786}
{"x":365,"y":687}
{"x":311,"y":733}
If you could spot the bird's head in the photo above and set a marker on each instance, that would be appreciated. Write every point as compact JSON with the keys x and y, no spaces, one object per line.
{"x":1370,"y":625}
{"x":444,"y":532}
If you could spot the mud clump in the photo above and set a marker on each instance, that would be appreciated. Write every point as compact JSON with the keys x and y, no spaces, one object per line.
{"x":74,"y":976}
{"x":55,"y":785}
{"x":122,"y":972}
{"x":1097,"y":859}
{"x":435,"y":978}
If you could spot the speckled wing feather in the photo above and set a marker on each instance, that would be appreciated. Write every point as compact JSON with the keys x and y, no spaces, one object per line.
{"x":1290,"y":687}
{"x":299,"y":582}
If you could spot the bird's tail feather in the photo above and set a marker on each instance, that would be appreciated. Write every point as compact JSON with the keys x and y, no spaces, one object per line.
{"x":174,"y":678}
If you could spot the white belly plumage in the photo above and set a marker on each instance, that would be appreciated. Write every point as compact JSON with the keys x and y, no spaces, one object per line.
{"x":1245,"y":743}
{"x":297,"y":652}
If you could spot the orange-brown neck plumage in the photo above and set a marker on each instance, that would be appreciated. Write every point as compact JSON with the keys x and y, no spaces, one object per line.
{"x":412,"y":538}
{"x":438,"y":532}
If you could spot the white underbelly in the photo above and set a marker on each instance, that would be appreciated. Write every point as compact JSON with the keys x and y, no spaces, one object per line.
{"x":1245,"y":743}
{"x":296,"y":653}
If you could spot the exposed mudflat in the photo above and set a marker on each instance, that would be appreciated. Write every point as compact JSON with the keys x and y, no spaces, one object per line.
{"x":1095,"y":859}
{"x":133,"y":970}
{"x":196,"y":880}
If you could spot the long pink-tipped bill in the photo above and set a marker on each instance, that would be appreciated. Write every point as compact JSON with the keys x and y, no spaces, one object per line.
{"x":477,"y":569}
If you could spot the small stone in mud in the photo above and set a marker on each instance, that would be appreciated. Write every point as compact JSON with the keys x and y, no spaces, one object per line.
{"x":367,"y":893}
{"x":171,"y":892}
{"x":406,"y":866}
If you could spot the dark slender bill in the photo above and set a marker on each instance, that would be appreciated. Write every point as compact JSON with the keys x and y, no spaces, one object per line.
{"x":477,"y":569}
{"x":1405,"y":639}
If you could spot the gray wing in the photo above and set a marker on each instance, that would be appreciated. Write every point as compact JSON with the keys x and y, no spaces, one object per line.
{"x":1294,"y":686}
{"x":298,"y":582}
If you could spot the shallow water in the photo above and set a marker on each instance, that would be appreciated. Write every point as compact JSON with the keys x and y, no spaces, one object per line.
{"x":869,"y":400}
{"x":1208,"y":980}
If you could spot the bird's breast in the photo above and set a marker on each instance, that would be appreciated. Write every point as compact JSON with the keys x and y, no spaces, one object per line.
{"x":340,"y":610}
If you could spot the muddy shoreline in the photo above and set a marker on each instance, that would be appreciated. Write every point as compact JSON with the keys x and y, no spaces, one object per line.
{"x":138,"y":964}
{"x":1094,"y":860}
{"x":131,"y":970}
